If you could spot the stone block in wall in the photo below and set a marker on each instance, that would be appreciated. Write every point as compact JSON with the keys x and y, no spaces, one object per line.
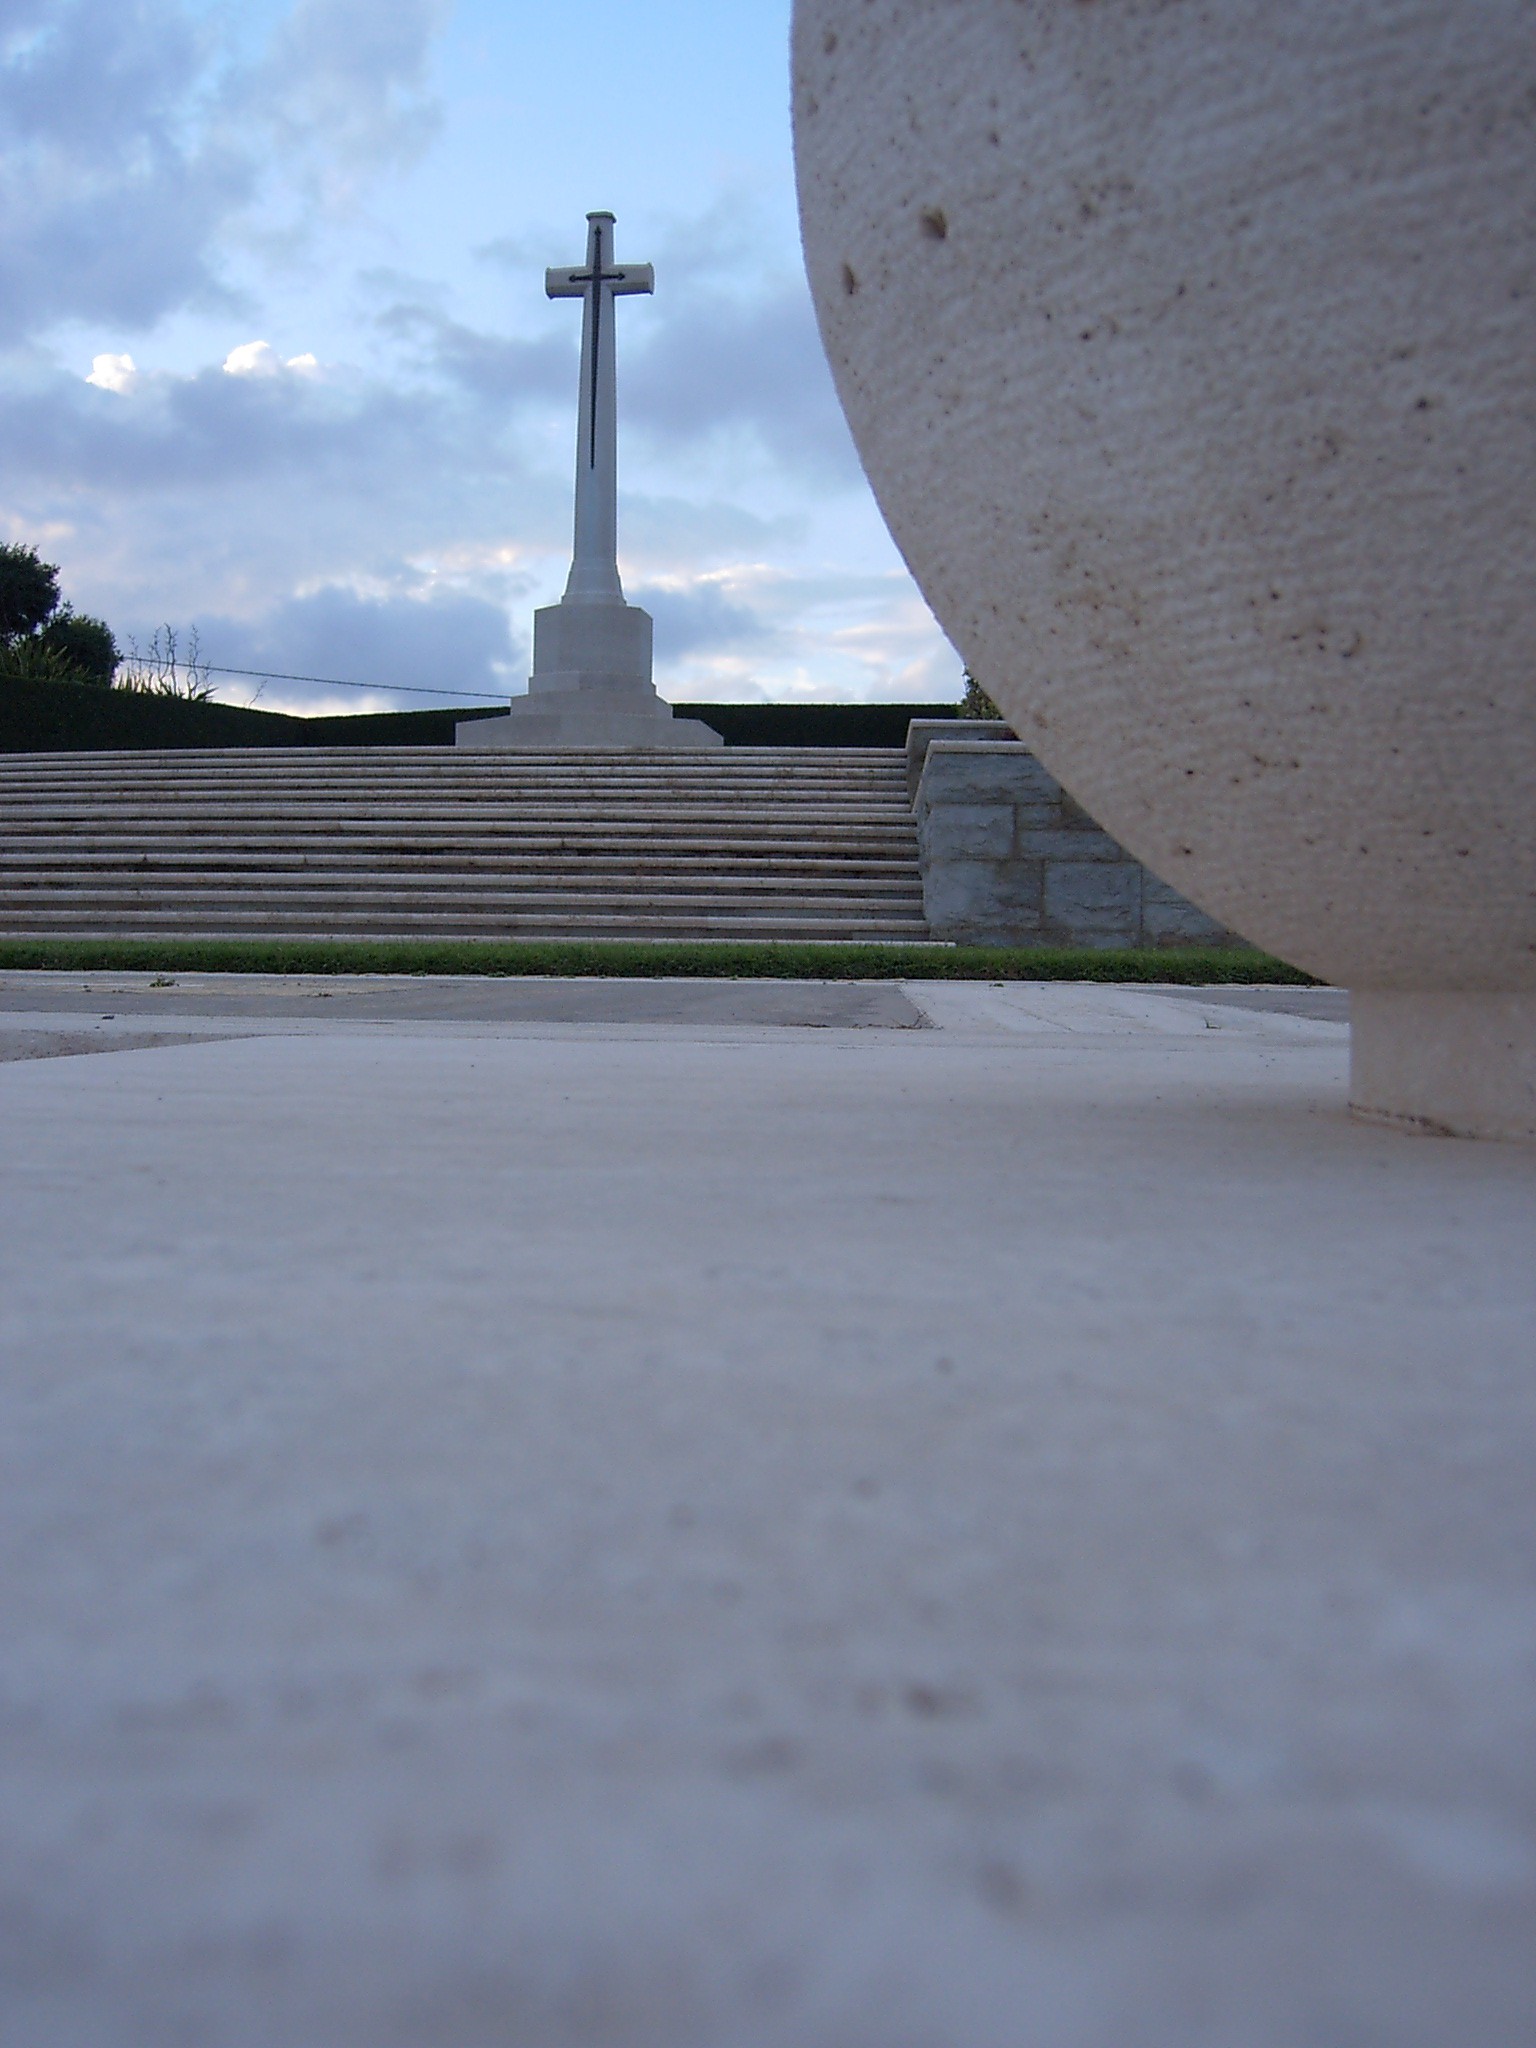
{"x":1091,"y":902}
{"x":979,"y":771}
{"x":1058,"y":842}
{"x":1169,"y":919}
{"x":1009,"y":859}
{"x":922,"y":732}
{"x":967,"y":831}
{"x":969,"y":903}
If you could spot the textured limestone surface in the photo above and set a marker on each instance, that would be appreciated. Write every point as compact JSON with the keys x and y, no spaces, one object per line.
{"x":596,"y":1533}
{"x":1191,"y":353}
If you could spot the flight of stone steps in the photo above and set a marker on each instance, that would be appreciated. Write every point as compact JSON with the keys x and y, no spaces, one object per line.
{"x":426,"y":842}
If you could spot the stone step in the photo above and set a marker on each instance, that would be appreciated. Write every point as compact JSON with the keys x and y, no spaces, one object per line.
{"x":280,"y":863}
{"x":641,"y":922}
{"x":281,"y":775}
{"x":550,"y":817}
{"x":354,"y":838}
{"x":415,"y":842}
{"x":285,"y":891}
{"x":347,"y":845}
{"x":735,"y":761}
{"x":346,"y":889}
{"x":415,"y":796}
{"x":881,"y":788}
{"x":478,"y":799}
{"x":303,"y":764}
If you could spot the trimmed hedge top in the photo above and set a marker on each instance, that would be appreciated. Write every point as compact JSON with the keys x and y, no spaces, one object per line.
{"x":700,"y":959}
{"x":38,"y":718}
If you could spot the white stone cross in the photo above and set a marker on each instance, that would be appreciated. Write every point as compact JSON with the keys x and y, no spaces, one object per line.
{"x":594,"y":577}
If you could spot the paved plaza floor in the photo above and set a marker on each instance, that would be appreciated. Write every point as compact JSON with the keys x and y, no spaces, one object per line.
{"x":754,"y":1515}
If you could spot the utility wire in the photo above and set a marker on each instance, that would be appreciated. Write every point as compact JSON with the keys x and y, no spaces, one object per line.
{"x":272,"y":675}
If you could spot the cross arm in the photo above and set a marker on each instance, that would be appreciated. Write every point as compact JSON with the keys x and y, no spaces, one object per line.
{"x":572,"y":284}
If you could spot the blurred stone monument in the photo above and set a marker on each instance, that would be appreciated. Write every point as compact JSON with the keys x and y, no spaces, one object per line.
{"x":591,"y":683}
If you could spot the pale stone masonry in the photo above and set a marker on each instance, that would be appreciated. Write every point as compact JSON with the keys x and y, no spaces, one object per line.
{"x":1009,"y":859}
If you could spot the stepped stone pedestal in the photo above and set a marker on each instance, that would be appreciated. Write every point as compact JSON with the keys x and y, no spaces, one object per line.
{"x":591,"y":686}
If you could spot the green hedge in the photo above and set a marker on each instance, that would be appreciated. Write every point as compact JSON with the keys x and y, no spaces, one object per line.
{"x":701,"y":960}
{"x":74,"y":718}
{"x":814,"y":725}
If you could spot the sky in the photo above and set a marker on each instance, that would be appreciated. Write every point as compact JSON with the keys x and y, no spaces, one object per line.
{"x":276,"y":362}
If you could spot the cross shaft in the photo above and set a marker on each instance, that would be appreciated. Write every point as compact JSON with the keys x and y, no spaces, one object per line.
{"x":594,"y":573}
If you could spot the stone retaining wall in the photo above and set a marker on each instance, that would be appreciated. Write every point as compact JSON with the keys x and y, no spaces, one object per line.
{"x":1008,"y":858}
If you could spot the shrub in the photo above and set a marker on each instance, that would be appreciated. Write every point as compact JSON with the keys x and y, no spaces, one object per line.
{"x":85,"y":646}
{"x":43,"y":639}
{"x":163,"y":670}
{"x":29,"y":591}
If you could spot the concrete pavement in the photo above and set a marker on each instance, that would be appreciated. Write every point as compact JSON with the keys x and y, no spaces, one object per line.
{"x":989,"y":1516}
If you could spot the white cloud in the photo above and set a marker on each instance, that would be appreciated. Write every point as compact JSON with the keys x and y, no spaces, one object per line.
{"x":113,"y":373}
{"x":753,"y":631}
{"x":257,"y":359}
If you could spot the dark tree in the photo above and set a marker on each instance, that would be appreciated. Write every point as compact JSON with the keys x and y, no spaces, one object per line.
{"x":41,"y":638}
{"x":29,"y":591}
{"x":86,"y":646}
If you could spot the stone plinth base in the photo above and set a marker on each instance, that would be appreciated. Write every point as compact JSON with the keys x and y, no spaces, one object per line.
{"x":1458,"y":1062}
{"x":591,"y":687}
{"x":608,"y":719}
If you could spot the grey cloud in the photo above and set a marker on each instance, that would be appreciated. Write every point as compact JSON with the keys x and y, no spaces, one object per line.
{"x":688,"y":621}
{"x":221,"y":492}
{"x":655,"y":531}
{"x":712,"y":364}
{"x":211,"y":429}
{"x":441,"y":642}
{"x":522,"y":254}
{"x":106,"y":210}
{"x":756,"y":363}
{"x":512,"y":370}
{"x":130,"y":139}
{"x":94,"y":75}
{"x":346,"y":81}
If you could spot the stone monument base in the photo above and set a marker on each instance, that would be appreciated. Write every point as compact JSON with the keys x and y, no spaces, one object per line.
{"x":591,"y":687}
{"x":587,"y":711}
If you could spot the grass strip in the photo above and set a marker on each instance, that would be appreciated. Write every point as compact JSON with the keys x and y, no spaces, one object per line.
{"x":705,"y":959}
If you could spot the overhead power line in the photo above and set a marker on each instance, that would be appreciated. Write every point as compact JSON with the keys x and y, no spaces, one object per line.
{"x":272,"y":675}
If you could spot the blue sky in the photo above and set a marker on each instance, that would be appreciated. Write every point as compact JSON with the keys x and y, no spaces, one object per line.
{"x":276,"y":361}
